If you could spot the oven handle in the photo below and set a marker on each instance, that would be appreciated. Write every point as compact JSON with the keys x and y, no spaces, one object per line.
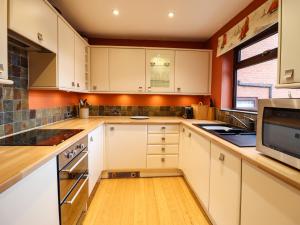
{"x":76,"y":164}
{"x":77,"y":193}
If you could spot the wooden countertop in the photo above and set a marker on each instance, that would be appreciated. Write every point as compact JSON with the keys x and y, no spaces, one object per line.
{"x":16,"y":162}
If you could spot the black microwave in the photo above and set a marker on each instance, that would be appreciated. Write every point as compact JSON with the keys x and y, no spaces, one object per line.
{"x":278,"y":130}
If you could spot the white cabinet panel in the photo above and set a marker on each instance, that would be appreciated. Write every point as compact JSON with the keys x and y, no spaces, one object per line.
{"x":33,"y":200}
{"x":80,"y":62}
{"x":267,"y":200}
{"x":193,"y":71}
{"x":3,"y":40}
{"x":160,"y":70}
{"x":127,"y":70}
{"x":66,"y":55}
{"x":35,"y":20}
{"x":126,"y":146}
{"x":225,"y":186}
{"x":162,"y":161}
{"x":163,"y":128}
{"x":163,"y":139}
{"x":99,"y":69}
{"x":96,"y":156}
{"x":289,"y":66}
{"x":162,"y":149}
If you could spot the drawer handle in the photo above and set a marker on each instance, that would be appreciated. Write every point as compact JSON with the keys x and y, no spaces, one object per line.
{"x":163,"y":149}
{"x":163,"y":139}
{"x":222,"y":157}
{"x":163,"y":160}
{"x":77,"y":193}
{"x":40,"y":36}
{"x":190,"y":135}
{"x":163,"y":128}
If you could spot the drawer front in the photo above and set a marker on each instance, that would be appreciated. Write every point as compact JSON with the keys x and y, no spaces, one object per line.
{"x":159,"y":139}
{"x":162,"y":161}
{"x":162,"y":149}
{"x":163,"y":129}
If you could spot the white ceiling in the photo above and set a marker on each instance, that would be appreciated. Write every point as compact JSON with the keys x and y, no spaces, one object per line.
{"x":194,"y":20}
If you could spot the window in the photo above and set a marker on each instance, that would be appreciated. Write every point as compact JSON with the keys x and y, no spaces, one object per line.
{"x":255,"y":71}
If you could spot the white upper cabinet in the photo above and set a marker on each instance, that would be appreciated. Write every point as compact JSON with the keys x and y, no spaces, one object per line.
{"x":3,"y":39}
{"x":127,"y":70}
{"x":289,"y":64}
{"x":80,"y":64}
{"x":193,"y":71}
{"x":99,"y":80}
{"x":225,"y":187}
{"x":66,"y":55}
{"x":267,"y":200}
{"x":160,"y":70}
{"x":35,"y":20}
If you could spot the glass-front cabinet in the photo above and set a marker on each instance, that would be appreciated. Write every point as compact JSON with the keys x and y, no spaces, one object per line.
{"x":160,"y":70}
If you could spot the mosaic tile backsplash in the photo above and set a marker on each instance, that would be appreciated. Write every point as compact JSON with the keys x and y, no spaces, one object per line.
{"x":136,"y":110}
{"x":15,"y":115}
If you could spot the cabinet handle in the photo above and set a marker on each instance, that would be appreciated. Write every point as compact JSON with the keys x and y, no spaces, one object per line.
{"x":94,"y":87}
{"x":1,"y":68}
{"x":183,"y":130}
{"x":40,"y":36}
{"x":222,"y":157}
{"x":163,"y":149}
{"x":288,"y":74}
{"x":112,"y":128}
{"x":73,"y":84}
{"x":190,"y":135}
{"x":179,"y":89}
{"x":149,"y":88}
{"x":91,"y":139}
{"x":163,"y":128}
{"x":140,"y":88}
{"x":78,"y":85}
{"x":163,"y":138}
{"x":163,"y":160}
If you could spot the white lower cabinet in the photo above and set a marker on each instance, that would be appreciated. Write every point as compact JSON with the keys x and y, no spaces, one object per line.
{"x":225,"y":187}
{"x":33,"y":200}
{"x":195,"y":163}
{"x":126,"y":146}
{"x":96,"y":157}
{"x":267,"y":200}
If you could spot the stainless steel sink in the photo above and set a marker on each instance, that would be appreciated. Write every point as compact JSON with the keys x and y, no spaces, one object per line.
{"x":237,"y":136}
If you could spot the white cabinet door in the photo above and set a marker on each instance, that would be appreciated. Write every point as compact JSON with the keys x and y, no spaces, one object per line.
{"x":96,"y":157}
{"x":225,"y":186}
{"x":184,"y":154}
{"x":35,"y":20}
{"x":3,"y":39}
{"x":99,"y":69}
{"x":289,"y":43}
{"x":33,"y":200}
{"x":80,"y":62}
{"x":267,"y":200}
{"x":127,"y":70}
{"x":199,"y":167}
{"x":160,"y":70}
{"x":126,"y":146}
{"x":66,"y":53}
{"x":193,"y":72}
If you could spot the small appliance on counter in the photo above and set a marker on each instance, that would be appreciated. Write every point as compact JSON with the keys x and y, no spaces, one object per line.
{"x":278,"y":130}
{"x":83,"y":109}
{"x":188,"y":113}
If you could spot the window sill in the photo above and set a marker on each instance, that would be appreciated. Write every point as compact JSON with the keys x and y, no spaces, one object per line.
{"x":240,"y":111}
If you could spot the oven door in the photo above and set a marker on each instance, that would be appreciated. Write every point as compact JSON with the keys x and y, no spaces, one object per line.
{"x":75,"y":203}
{"x":71,"y":174}
{"x":278,"y":130}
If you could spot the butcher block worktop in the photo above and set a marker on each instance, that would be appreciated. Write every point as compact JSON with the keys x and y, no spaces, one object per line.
{"x":16,"y":162}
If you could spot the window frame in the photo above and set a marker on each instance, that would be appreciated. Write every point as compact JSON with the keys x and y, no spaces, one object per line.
{"x":254,"y":60}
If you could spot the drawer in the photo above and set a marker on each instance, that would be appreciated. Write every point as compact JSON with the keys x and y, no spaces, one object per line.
{"x":162,"y":161}
{"x":162,"y":149}
{"x":163,"y":139}
{"x":163,"y":128}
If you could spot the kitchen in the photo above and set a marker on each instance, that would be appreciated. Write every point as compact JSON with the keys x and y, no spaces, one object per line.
{"x":190,"y":117}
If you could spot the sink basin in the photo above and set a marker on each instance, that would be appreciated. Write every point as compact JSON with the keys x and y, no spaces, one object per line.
{"x":237,"y":136}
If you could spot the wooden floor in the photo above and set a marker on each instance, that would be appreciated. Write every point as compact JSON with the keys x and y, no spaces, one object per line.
{"x":144,"y":201}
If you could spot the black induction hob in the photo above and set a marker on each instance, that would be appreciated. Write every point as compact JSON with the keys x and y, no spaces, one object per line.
{"x":39,"y":137}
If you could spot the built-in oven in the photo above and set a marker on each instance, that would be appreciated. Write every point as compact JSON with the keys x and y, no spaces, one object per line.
{"x":278,"y":130}
{"x":73,"y":182}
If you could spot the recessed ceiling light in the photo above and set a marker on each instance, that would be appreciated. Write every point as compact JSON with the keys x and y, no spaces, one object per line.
{"x":171,"y":14}
{"x":116,"y":12}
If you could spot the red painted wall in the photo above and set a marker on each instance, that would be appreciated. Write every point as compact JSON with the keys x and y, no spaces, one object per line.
{"x":222,"y":72}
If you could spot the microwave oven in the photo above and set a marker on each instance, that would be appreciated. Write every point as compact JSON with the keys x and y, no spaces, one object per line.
{"x":278,"y":130}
